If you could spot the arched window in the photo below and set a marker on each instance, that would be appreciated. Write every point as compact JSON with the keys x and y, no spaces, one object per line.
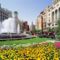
{"x":55,"y":14}
{"x":52,"y":16}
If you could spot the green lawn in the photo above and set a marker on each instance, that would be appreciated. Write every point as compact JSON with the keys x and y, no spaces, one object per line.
{"x":23,"y":41}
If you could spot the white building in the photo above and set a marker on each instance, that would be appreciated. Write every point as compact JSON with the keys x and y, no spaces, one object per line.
{"x":50,"y":17}
{"x":52,"y":14}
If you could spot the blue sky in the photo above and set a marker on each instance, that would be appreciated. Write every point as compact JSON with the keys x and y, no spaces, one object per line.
{"x":28,"y":9}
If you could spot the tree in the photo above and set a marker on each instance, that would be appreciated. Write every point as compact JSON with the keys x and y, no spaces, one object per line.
{"x":58,"y":28}
{"x":51,"y":30}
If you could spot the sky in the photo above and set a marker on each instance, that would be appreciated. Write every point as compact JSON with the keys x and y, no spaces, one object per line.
{"x":28,"y":10}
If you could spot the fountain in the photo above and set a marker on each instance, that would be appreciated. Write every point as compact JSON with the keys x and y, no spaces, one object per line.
{"x":10,"y":25}
{"x":10,"y":29}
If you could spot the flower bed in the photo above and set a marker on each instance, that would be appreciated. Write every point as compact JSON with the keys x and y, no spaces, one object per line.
{"x":44,"y":51}
{"x":57,"y":44}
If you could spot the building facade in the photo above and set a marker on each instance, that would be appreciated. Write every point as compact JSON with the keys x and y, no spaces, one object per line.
{"x":51,"y":16}
{"x":25,"y":26}
{"x":4,"y":14}
{"x":38,"y":23}
{"x":41,"y":21}
{"x":55,"y":1}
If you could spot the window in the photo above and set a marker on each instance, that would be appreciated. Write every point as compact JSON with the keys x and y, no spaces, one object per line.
{"x":56,"y":24}
{"x":52,"y":16}
{"x":52,"y":24}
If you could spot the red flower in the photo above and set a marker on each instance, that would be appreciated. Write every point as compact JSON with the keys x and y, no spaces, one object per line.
{"x":57,"y":44}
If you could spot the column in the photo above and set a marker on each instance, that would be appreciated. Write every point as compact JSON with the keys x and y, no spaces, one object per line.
{"x":53,"y":17}
{"x":56,"y":17}
{"x":59,"y":13}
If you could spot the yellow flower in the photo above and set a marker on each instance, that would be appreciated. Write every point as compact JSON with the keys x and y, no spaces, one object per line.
{"x":38,"y":58}
{"x":56,"y":58}
{"x":14,"y":59}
